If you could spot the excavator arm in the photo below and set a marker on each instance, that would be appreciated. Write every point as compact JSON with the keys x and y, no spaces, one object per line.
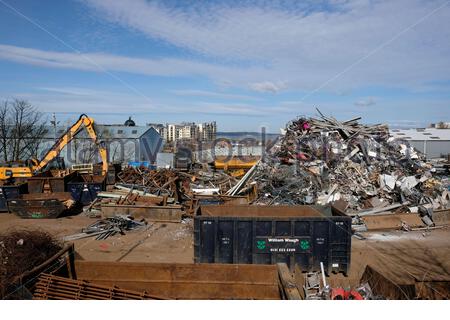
{"x":68,"y":137}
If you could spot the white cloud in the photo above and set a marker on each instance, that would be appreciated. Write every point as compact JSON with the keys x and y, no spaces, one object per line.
{"x":212,"y":94}
{"x":304,"y":48}
{"x":85,"y":100}
{"x":268,"y":86}
{"x":271,"y":47}
{"x":101,"y":62}
{"x":370,"y":101}
{"x":106,"y":62}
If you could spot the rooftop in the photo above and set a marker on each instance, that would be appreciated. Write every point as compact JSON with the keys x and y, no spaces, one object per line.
{"x":103,"y":131}
{"x":421,"y":134}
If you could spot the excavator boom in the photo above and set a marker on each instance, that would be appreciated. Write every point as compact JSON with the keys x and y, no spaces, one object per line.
{"x":64,"y":140}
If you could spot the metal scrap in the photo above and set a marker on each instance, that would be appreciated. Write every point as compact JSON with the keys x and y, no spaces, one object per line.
{"x":323,"y":160}
{"x":104,"y":228}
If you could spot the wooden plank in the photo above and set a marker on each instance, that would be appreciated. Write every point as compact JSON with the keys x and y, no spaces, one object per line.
{"x":299,"y":281}
{"x":287,"y":282}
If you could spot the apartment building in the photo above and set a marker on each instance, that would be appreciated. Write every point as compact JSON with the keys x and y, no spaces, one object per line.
{"x":186,"y":131}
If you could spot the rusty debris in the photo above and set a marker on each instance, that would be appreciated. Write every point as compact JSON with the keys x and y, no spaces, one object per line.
{"x":50,"y":287}
{"x":21,"y":251}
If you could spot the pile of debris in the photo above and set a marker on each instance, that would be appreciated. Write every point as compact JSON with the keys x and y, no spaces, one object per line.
{"x":21,"y":251}
{"x":157,"y":182}
{"x":209,"y":182}
{"x":104,"y":228}
{"x":320,"y":161}
{"x":175,"y":184}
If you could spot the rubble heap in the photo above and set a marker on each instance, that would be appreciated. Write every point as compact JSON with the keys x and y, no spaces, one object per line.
{"x":322,"y":160}
{"x":20,"y":251}
{"x":172,"y":183}
{"x":163,"y":182}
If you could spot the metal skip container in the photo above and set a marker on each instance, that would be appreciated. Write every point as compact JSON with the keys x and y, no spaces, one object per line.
{"x":84,"y":188}
{"x":11,"y":191}
{"x":50,"y":181}
{"x":302,"y":235}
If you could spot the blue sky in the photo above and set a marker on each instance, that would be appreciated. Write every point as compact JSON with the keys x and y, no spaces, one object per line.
{"x":245,"y":64}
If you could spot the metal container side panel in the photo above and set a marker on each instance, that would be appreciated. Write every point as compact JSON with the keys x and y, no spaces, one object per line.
{"x":205,"y":234}
{"x":35,"y":186}
{"x":36,"y":209}
{"x":56,"y":184}
{"x":84,"y":188}
{"x":225,"y":244}
{"x":340,"y":249}
{"x":84,"y":193}
{"x":272,"y":212}
{"x":302,"y":241}
{"x":244,"y":241}
{"x":11,"y":192}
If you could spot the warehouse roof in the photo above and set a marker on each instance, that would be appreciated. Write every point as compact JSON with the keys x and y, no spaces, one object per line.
{"x":421,"y":134}
{"x":105,"y":131}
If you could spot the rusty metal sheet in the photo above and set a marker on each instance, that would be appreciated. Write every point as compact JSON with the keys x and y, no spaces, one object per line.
{"x":262,"y":211}
{"x":51,"y":287}
{"x":206,"y":200}
{"x":150,"y":213}
{"x":50,"y":181}
{"x":441,"y":217}
{"x":185,"y":281}
{"x":392,"y":221}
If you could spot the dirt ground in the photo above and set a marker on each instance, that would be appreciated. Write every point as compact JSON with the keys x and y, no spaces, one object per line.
{"x":400,"y":255}
{"x":158,"y":242}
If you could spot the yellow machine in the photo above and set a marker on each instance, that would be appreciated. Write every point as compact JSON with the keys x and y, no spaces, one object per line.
{"x":235,"y":167}
{"x":35,"y":165}
{"x":235,"y":163}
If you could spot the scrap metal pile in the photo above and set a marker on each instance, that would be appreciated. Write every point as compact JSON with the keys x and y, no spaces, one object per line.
{"x":322,"y":160}
{"x":174,"y":184}
{"x":104,"y":228}
{"x":157,"y":182}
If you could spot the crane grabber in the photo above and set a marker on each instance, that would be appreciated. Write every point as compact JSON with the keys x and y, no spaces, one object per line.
{"x":64,"y":140}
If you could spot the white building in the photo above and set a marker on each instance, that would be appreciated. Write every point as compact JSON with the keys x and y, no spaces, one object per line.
{"x":434,"y":143}
{"x":187,"y":131}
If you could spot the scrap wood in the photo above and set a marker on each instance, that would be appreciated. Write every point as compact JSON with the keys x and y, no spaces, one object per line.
{"x":289,"y":289}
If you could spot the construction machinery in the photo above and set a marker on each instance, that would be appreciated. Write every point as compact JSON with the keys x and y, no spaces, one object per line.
{"x":33,"y":166}
{"x":235,"y":166}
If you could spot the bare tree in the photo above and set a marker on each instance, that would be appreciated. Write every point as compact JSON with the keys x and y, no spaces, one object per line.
{"x":22,"y":128}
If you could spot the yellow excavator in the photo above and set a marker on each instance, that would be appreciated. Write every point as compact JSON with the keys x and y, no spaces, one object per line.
{"x":235,"y":166}
{"x":35,"y":166}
